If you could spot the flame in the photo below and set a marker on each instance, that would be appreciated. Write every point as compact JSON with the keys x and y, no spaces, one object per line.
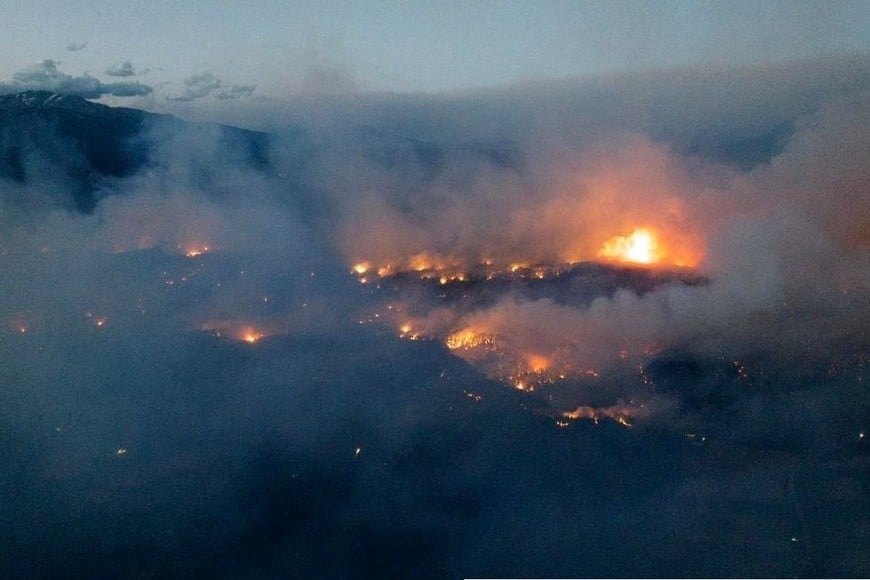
{"x":407,"y":331}
{"x":538,"y":363}
{"x":250,"y":335}
{"x":468,"y":338}
{"x":621,"y":414}
{"x":651,"y":247}
{"x":241,"y":331}
{"x":193,"y":250}
{"x":640,"y":247}
{"x":362,"y":267}
{"x":521,"y":385}
{"x":420,"y":262}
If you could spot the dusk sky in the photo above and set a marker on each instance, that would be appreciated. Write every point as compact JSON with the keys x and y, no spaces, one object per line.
{"x":280,"y":48}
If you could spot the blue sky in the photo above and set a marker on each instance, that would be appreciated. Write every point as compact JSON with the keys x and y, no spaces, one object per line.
{"x":272,"y":49}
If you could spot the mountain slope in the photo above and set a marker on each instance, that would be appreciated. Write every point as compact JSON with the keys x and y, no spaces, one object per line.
{"x":70,"y":147}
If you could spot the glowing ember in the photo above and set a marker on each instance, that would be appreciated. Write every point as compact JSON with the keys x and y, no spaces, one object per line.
{"x":641,"y":247}
{"x":362,"y":267}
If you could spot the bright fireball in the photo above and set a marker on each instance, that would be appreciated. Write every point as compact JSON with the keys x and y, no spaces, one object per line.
{"x":641,"y":247}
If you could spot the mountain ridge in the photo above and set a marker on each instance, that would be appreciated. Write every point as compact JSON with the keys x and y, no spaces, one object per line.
{"x":71,"y":146}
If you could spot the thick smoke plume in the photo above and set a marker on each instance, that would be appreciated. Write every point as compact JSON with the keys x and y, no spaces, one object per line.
{"x":195,"y":384}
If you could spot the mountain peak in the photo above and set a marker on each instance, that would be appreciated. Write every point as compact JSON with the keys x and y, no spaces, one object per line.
{"x":47,"y":100}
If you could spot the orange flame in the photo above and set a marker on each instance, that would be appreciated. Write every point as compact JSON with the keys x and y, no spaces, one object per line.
{"x":468,"y":338}
{"x":538,"y":363}
{"x":250,"y":335}
{"x":193,"y":250}
{"x":640,"y":247}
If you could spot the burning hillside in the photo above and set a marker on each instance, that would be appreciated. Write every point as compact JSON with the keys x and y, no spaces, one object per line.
{"x":472,"y":311}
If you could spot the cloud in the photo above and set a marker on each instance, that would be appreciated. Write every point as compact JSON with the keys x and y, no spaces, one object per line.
{"x":76,"y":46}
{"x":45,"y":76}
{"x":121,"y":69}
{"x":205,"y":84}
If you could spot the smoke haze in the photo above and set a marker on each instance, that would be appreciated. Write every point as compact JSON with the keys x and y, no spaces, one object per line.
{"x":195,"y":382}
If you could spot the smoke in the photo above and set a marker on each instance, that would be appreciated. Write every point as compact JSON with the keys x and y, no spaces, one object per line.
{"x":144,"y":434}
{"x":783,"y":244}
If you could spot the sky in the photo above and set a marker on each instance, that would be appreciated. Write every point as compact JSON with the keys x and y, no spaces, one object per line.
{"x":199,"y":49}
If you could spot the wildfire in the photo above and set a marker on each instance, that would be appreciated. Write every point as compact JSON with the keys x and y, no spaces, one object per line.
{"x":407,"y":331}
{"x":194,"y":250}
{"x":250,"y":335}
{"x":619,"y":413}
{"x":421,"y":262}
{"x":538,"y":363}
{"x":242,"y":332}
{"x":468,"y":338}
{"x":640,"y":247}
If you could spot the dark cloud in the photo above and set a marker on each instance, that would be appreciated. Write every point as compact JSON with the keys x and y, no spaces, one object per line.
{"x":205,"y":84}
{"x":121,"y":69}
{"x":76,"y":46}
{"x":45,"y":76}
{"x":233,"y":92}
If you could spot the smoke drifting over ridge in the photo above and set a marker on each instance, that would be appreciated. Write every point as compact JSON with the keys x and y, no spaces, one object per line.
{"x":782,"y":242}
{"x":190,"y":388}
